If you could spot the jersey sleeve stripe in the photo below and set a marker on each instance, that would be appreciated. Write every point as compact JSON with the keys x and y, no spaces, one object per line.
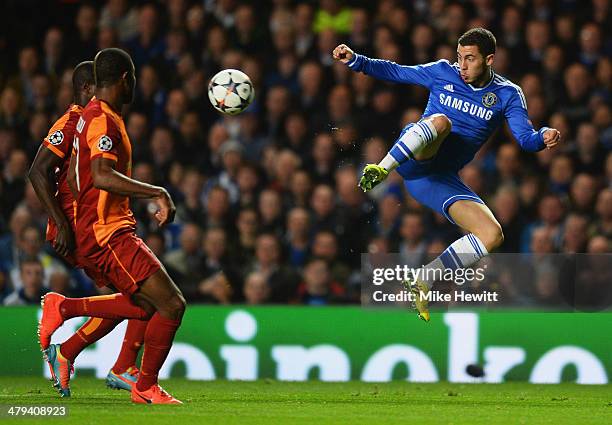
{"x":53,"y":149}
{"x":106,"y":155}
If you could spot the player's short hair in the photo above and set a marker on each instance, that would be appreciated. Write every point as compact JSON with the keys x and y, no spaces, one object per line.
{"x":109,"y":65}
{"x":481,"y":37}
{"x":83,"y":74}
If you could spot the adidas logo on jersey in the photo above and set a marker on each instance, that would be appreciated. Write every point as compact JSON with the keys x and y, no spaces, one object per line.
{"x":449,"y":87}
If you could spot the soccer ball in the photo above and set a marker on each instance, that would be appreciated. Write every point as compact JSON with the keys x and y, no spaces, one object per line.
{"x":230,"y":91}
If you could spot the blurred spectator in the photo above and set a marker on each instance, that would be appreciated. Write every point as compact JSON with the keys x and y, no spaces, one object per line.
{"x":270,"y":211}
{"x":577,"y":89}
{"x":318,"y":287}
{"x":325,"y":246}
{"x":589,"y":155}
{"x":412,"y":246}
{"x":147,"y":44}
{"x":219,"y":277}
{"x":59,"y":282}
{"x":561,"y":174}
{"x":506,"y":208}
{"x":332,"y":15}
{"x":599,"y":245}
{"x":217,"y":208}
{"x":9,"y":242}
{"x":388,"y":223}
{"x":575,"y":234}
{"x":31,"y":276}
{"x":120,"y":17}
{"x":297,"y":239}
{"x":282,"y":279}
{"x":247,"y":225}
{"x":187,"y":258}
{"x":256,"y":289}
{"x":30,"y":245}
{"x":583,"y":192}
{"x":603,"y":224}
{"x":84,"y":45}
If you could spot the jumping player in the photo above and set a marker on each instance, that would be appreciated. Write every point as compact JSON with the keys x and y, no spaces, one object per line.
{"x":467,"y":103}
{"x":105,"y":229}
{"x":48,"y":175}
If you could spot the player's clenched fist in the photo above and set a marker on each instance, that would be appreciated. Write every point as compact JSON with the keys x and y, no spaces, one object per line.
{"x":551,"y":137}
{"x":166,"y":211}
{"x":343,"y":53}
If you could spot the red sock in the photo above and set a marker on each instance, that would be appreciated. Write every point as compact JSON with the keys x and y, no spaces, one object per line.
{"x":115,"y":306}
{"x":134,"y":337}
{"x":158,"y":340}
{"x":91,"y":331}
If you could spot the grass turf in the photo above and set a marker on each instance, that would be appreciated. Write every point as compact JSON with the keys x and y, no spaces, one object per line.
{"x":273,"y":402}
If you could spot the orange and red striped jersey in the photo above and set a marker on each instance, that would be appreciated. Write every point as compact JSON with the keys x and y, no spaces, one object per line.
{"x":59,"y":140}
{"x":100,"y":133}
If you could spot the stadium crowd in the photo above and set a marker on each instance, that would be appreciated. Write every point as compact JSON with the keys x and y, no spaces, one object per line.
{"x":268,"y":208}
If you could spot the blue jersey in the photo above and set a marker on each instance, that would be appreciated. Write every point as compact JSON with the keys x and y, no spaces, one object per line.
{"x":475,"y":113}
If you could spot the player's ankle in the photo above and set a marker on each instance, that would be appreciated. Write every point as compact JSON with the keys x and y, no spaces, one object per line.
{"x":389,"y":163}
{"x":118,"y":370}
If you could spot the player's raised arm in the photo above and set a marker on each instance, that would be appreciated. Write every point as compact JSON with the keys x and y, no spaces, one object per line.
{"x":422,"y":75}
{"x":43,"y":181}
{"x":106,"y":178}
{"x":530,"y":139}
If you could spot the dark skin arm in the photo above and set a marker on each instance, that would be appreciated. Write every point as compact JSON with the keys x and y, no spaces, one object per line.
{"x":43,"y":181}
{"x":71,"y":178}
{"x":105,"y":177}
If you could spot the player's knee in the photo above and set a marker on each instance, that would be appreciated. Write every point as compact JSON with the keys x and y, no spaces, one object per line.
{"x":145,"y":305}
{"x":442,"y":123}
{"x":149,"y":311}
{"x":492,"y":236}
{"x":175,"y":307}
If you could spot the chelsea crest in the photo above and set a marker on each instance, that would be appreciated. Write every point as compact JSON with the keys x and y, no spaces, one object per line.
{"x":489,"y":99}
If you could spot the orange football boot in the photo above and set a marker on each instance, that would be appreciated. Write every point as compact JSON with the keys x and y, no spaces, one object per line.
{"x":154,"y":395}
{"x":51,"y":318}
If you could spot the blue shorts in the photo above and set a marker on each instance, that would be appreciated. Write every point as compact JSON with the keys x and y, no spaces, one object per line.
{"x":439,"y":190}
{"x":435,"y":182}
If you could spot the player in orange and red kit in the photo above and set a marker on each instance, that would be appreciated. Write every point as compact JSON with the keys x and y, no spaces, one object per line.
{"x":105,"y":229}
{"x":49,"y":177}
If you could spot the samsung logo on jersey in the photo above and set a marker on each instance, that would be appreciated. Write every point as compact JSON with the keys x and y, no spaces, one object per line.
{"x":465,"y":106}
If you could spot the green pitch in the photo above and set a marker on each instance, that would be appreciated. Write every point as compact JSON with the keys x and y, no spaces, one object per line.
{"x":272,"y":402}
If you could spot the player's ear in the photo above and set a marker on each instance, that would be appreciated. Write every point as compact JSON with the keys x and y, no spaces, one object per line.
{"x":489,"y":59}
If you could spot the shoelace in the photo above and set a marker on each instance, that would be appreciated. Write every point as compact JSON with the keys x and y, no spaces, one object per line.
{"x":161,"y":391}
{"x":133,"y":371}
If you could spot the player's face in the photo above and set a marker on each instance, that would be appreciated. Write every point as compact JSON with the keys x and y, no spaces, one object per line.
{"x":472,"y":65}
{"x":89,"y":90}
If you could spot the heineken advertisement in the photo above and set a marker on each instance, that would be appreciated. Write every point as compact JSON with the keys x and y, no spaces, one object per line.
{"x":348,"y":343}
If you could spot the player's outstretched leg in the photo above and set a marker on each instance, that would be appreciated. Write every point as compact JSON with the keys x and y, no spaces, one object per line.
{"x":124,"y":373}
{"x":56,"y":309}
{"x":159,"y":291}
{"x":485,"y":235}
{"x":418,"y":141}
